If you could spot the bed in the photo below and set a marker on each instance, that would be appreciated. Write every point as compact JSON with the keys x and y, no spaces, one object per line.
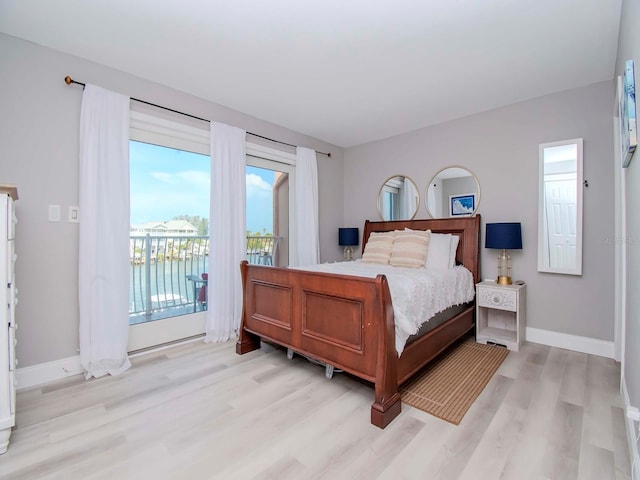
{"x":348,"y":321}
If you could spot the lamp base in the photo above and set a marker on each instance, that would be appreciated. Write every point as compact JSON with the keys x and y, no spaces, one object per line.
{"x":348,"y":253}
{"x":504,"y":268}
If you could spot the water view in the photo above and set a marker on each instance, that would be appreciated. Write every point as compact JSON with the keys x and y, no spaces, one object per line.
{"x":166,"y":273}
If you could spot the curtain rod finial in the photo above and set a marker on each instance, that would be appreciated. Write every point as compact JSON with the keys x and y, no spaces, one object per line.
{"x":67,"y":80}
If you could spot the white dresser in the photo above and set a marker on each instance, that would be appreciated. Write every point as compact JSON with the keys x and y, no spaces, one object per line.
{"x":8,"y":300}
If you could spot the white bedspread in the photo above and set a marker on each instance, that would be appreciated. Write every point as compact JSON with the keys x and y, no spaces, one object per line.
{"x":417,"y":294}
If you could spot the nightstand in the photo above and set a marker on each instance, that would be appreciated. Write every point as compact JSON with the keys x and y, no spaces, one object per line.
{"x":500,"y":314}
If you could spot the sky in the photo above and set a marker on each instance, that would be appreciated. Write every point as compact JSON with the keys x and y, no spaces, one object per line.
{"x":166,"y":183}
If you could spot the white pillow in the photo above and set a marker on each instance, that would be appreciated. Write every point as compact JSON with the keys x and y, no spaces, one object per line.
{"x":378,"y":248}
{"x":453,"y":249}
{"x":439,"y":255}
{"x":409,"y":248}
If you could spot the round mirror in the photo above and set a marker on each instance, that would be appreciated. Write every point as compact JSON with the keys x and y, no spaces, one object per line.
{"x":453,"y":192}
{"x":398,"y":198}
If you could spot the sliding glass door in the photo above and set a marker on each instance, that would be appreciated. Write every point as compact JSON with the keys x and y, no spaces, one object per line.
{"x":169,"y":237}
{"x":169,"y":243}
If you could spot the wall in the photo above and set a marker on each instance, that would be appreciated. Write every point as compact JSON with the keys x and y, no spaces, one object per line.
{"x":501,"y":148}
{"x":39,"y":153}
{"x":629,"y":49}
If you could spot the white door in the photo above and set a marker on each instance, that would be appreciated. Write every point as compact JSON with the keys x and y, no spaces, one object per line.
{"x":560,"y":195}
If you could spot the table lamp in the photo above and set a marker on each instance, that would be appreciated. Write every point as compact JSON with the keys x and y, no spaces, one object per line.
{"x":504,"y":236}
{"x":348,"y":238}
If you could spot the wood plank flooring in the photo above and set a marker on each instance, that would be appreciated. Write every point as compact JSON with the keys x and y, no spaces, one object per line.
{"x":199,"y":411}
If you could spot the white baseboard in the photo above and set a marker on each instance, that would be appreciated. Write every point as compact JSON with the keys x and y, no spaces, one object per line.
{"x":66,"y":367}
{"x":631,"y":432}
{"x":47,"y":372}
{"x":576,"y":343}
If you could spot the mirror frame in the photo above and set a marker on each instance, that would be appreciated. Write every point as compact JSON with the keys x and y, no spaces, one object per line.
{"x":542,"y":266}
{"x":478,"y":194}
{"x":379,"y":201}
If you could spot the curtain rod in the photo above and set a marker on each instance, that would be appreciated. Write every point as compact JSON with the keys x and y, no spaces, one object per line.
{"x":68,"y":80}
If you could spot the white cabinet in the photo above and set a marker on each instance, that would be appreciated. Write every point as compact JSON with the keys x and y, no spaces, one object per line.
{"x":500,"y":314}
{"x":8,"y":301}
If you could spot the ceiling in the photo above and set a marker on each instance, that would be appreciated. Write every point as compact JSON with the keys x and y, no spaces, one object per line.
{"x":344,"y":71}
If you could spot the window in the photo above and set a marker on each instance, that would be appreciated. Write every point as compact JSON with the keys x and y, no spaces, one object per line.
{"x":269,"y":207}
{"x":169,"y":239}
{"x":170,"y":181}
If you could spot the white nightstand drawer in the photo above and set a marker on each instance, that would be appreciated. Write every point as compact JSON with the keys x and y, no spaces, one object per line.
{"x":500,"y":298}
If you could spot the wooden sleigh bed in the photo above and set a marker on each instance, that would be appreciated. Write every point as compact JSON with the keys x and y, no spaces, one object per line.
{"x":348,"y":321}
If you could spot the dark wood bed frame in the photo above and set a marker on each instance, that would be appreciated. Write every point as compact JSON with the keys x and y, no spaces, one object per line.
{"x":347,"y":321}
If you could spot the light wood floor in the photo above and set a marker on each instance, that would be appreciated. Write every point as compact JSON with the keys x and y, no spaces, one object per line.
{"x":199,"y":411}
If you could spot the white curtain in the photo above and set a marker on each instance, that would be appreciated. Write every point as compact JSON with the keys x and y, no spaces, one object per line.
{"x":103,"y":270}
{"x":227,"y":230}
{"x":307,"y":230}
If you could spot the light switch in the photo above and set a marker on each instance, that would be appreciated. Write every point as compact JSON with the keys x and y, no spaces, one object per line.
{"x":54,"y":213}
{"x":74,"y":214}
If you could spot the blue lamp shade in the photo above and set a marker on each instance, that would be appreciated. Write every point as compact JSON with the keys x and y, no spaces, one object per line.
{"x":506,"y":235}
{"x":348,"y":237}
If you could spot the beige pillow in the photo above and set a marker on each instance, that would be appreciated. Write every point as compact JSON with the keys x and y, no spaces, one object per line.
{"x":378,"y":248}
{"x":410,"y":248}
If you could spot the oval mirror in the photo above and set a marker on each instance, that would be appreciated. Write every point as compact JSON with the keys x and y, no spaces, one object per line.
{"x":398,"y":198}
{"x":453,"y":192}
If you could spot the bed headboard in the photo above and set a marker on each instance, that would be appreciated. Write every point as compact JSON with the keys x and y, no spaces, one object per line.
{"x":467,"y":228}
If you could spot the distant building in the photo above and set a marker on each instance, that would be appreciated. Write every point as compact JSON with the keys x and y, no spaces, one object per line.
{"x":163,"y":244}
{"x":172,"y":228}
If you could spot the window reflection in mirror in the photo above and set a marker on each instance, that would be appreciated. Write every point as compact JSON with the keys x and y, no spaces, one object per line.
{"x":560,"y":207}
{"x":453,"y":191}
{"x":398,"y":199}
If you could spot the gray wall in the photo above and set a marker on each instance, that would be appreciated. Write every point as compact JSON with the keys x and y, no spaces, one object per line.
{"x":501,"y":148}
{"x":629,"y":49}
{"x":39,"y":153}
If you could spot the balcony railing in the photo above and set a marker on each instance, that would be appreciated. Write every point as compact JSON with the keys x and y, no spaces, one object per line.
{"x":163,"y":269}
{"x":262,"y":250}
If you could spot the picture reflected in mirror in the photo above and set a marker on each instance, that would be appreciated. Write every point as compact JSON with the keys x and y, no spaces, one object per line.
{"x":398,"y":199}
{"x":453,"y":192}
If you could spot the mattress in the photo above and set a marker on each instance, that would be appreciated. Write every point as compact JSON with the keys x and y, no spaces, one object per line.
{"x":438,"y":319}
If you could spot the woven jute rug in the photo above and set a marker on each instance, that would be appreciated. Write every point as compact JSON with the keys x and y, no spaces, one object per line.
{"x":449,"y":385}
